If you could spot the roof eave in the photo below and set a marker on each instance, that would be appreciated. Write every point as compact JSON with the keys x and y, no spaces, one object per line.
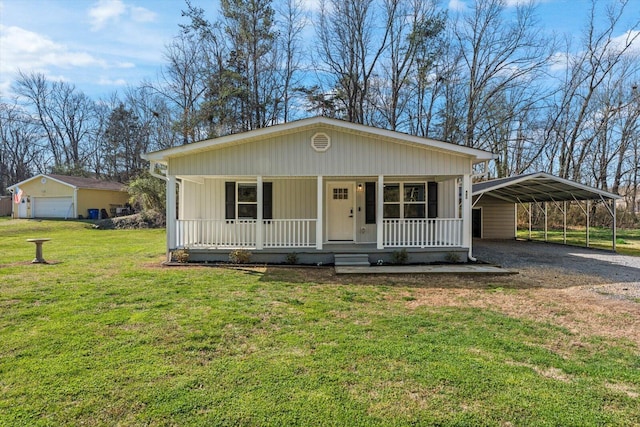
{"x":40,"y":175}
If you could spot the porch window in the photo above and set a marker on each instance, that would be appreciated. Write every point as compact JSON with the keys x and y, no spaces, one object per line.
{"x":241,"y":200}
{"x":405,"y":200}
{"x":247,"y":206}
{"x":391,"y":205}
{"x":414,"y":200}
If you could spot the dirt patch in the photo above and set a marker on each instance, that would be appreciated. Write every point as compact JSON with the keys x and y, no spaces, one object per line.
{"x":564,"y":300}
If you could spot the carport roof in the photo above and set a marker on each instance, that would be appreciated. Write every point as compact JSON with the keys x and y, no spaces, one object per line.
{"x":538,"y":187}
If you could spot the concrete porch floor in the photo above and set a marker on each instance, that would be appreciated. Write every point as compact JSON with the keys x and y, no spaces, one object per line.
{"x":426,"y":269}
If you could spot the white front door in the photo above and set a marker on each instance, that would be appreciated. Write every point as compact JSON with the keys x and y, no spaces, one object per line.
{"x":22,"y":208}
{"x":340,"y":211}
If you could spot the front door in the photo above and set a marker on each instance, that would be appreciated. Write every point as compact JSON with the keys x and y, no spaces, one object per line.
{"x":22,"y":208}
{"x":340,"y":211}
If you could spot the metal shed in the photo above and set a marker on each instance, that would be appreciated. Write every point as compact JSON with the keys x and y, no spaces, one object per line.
{"x":506,"y":194}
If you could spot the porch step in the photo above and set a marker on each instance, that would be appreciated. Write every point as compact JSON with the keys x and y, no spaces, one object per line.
{"x":340,"y":260}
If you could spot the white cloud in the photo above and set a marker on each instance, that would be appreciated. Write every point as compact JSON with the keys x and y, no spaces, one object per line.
{"x":104,"y":81}
{"x":125,"y":65}
{"x":23,"y":49}
{"x":560,"y":61}
{"x":104,"y":11}
{"x":311,"y":5}
{"x":140,"y":14}
{"x":514,"y":3}
{"x":622,"y":40}
{"x":457,"y":5}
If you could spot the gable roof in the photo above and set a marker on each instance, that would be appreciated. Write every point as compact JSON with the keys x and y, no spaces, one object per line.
{"x":319,"y":122}
{"x":76,"y":182}
{"x":538,"y":187}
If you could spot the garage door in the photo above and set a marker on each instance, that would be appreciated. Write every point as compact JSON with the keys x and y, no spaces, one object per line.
{"x":52,"y":207}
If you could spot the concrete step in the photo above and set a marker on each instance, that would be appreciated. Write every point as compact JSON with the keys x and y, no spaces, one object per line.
{"x":351,"y":260}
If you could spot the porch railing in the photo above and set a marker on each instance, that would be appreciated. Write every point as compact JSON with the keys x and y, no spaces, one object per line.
{"x":216,"y":233}
{"x":289,"y":233}
{"x":422,"y":233}
{"x":300,"y":233}
{"x":281,"y":233}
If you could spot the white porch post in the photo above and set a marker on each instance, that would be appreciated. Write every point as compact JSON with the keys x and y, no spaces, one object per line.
{"x":380,"y":213}
{"x":171,"y":215}
{"x":466,"y":212}
{"x":319,"y":225}
{"x":260,"y":222}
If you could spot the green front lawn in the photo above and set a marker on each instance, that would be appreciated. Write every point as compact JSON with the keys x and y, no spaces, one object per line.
{"x":106,"y":336}
{"x":627,"y":241}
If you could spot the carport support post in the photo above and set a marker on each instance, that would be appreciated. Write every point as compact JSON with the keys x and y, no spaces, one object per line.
{"x":545,"y":221}
{"x":529,"y":220}
{"x":587,"y":215}
{"x":613,"y":225}
{"x":564,"y":222}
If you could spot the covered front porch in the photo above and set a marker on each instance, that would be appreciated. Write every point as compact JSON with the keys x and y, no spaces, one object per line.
{"x":316,"y":217}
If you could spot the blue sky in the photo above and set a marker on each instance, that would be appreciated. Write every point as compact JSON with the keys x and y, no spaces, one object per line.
{"x":104,"y":45}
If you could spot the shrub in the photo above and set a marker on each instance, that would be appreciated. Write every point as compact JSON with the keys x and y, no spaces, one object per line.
{"x":400,"y":257}
{"x":180,"y":255}
{"x":147,"y":192}
{"x":452,"y":257}
{"x":292,"y":258}
{"x":240,"y":256}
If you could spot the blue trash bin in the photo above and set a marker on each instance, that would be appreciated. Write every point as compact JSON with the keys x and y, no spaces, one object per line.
{"x":93,"y":213}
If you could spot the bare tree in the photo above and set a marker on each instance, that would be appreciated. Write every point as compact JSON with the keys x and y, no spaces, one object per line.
{"x":500,"y":54}
{"x":292,"y":17}
{"x":20,"y":147}
{"x":66,"y":115}
{"x":350,"y":50}
{"x":572,"y":120}
{"x":414,"y":38}
{"x":183,"y":83}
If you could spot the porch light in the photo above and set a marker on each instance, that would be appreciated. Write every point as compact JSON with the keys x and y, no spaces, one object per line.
{"x":360,"y":187}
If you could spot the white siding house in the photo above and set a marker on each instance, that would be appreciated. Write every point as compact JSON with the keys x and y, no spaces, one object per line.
{"x":319,"y":187}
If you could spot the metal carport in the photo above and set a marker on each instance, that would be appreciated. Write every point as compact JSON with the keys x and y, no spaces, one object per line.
{"x":544,"y":188}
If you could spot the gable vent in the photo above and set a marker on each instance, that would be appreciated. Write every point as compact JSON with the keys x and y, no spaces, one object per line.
{"x":320,"y":142}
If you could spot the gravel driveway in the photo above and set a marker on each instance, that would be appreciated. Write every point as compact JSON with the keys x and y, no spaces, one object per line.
{"x":619,"y":274}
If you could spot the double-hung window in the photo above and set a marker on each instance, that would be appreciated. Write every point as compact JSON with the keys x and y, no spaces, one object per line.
{"x":414,"y":200}
{"x":247,"y":201}
{"x":241,"y":200}
{"x":405,"y":200}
